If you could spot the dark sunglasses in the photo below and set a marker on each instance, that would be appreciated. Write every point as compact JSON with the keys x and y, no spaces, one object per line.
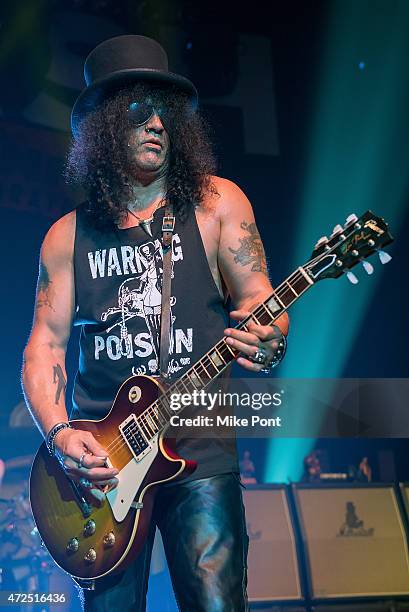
{"x":140,"y":113}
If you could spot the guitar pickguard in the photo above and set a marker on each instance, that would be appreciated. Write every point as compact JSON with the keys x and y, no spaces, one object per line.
{"x":130,"y":479}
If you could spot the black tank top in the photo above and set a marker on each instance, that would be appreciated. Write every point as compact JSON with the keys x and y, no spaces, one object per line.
{"x":118,"y":276}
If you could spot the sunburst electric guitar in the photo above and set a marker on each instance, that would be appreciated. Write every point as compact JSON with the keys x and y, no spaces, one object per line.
{"x":90,"y":542}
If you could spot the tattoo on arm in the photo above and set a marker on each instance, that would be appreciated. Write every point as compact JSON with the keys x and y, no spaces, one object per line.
{"x":251,"y":249}
{"x":60,"y":381}
{"x":43,"y":288}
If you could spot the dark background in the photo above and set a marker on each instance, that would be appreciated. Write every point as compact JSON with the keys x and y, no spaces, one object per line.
{"x":43,"y":45}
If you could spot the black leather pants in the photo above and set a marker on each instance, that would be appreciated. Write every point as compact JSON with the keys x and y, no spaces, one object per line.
{"x":204,"y":534}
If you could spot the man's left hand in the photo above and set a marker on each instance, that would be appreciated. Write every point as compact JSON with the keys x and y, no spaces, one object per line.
{"x":249,"y":342}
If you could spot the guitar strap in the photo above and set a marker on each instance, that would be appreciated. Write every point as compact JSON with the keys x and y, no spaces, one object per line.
{"x":168,"y":225}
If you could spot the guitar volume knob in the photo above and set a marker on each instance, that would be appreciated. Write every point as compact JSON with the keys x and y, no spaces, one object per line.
{"x":90,"y":556}
{"x":109,"y":539}
{"x":89,"y":528}
{"x":72,"y":545}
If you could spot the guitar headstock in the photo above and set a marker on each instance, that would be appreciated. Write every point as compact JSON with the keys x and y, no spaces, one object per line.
{"x":349,"y":245}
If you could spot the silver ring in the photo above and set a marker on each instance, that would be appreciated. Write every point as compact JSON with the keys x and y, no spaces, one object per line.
{"x":260,"y":357}
{"x":85,"y":483}
{"x":80,"y":462}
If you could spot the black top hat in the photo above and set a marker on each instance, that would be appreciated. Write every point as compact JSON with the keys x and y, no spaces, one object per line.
{"x":121,"y":61}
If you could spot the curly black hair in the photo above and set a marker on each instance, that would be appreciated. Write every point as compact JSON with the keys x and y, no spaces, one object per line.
{"x":97,"y":157}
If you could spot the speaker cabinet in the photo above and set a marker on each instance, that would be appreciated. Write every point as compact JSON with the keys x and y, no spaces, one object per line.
{"x":354,"y":541}
{"x":273,"y":573}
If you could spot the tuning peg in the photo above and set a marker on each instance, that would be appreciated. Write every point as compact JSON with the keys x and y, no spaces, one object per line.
{"x":384,"y":257}
{"x":338,"y":228}
{"x":352,"y":278}
{"x":351,"y":218}
{"x":321,"y":241}
{"x":368,"y":267}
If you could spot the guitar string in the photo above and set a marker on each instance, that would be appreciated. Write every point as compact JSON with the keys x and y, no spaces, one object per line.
{"x":118,"y":443}
{"x":149,"y":422}
{"x":280,"y":291}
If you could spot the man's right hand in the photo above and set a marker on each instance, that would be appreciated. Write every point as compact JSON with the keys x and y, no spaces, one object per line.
{"x":70,"y":445}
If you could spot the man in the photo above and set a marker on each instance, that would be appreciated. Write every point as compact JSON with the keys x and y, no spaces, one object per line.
{"x":140,"y":144}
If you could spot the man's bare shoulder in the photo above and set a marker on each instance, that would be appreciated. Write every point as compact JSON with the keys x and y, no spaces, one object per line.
{"x":59,"y":240}
{"x":226,"y":198}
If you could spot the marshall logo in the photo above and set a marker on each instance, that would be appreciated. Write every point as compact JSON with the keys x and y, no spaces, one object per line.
{"x":353,"y":526}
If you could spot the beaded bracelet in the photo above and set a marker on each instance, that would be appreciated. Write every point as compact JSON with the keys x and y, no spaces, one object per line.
{"x":51,"y":436}
{"x":277,"y":357}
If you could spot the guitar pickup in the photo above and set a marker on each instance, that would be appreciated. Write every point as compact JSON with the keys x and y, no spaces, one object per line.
{"x":134,"y":438}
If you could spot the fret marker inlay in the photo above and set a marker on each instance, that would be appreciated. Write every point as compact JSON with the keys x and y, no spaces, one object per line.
{"x":272,"y":304}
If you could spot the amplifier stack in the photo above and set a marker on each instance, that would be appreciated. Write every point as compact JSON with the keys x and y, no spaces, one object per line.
{"x":322,"y":547}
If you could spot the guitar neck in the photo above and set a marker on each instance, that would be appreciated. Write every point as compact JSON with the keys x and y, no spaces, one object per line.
{"x":221,"y":354}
